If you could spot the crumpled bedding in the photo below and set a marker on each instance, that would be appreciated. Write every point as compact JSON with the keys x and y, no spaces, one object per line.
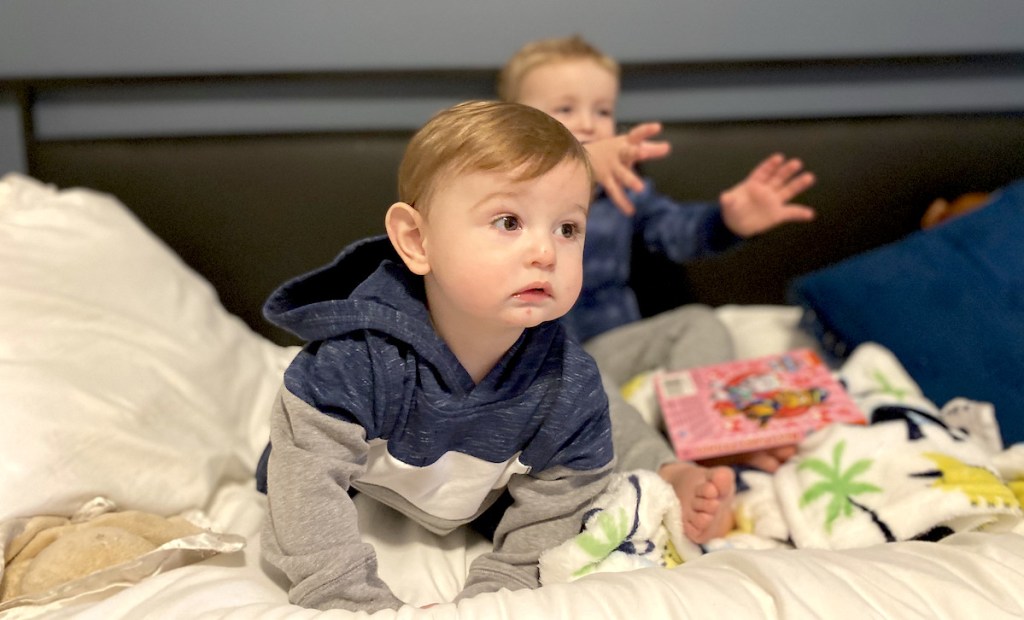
{"x":89,"y":292}
{"x":946,"y":301}
{"x":635,"y":523}
{"x":48,"y":558}
{"x":916,"y":472}
{"x":966,"y":574}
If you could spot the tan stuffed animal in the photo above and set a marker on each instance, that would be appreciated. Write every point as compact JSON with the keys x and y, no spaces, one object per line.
{"x":942,"y":209}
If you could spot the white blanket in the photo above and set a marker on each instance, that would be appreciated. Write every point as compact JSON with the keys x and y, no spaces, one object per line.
{"x":636,"y":523}
{"x":909,"y":475}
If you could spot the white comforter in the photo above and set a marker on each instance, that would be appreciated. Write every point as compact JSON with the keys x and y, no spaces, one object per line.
{"x":971,"y":575}
{"x":122,"y":376}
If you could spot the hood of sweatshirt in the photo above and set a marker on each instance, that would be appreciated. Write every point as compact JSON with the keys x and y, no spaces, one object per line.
{"x":366,"y":286}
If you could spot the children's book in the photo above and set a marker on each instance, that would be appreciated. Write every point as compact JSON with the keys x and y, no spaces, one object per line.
{"x":751,"y":404}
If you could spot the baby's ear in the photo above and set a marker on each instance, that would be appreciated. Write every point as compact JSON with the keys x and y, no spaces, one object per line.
{"x":405,"y":230}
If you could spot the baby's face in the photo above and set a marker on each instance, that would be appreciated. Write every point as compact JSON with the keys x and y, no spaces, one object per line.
{"x":580,"y":93}
{"x":504,"y":254}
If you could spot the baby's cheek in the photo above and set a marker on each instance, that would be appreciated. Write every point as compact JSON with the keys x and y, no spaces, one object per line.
{"x":573,"y":286}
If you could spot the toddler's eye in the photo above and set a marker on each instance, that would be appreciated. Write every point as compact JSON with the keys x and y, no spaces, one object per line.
{"x":507,"y":223}
{"x":568,"y":230}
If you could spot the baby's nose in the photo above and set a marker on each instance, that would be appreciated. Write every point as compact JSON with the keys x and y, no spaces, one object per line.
{"x":542,"y":250}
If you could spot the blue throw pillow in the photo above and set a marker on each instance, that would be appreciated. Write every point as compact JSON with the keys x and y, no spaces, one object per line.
{"x":947,"y":301}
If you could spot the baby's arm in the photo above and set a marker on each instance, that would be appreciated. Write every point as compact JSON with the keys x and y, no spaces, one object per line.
{"x":311,"y":531}
{"x":577,"y":458}
{"x":547,"y":510}
{"x":762,"y":200}
{"x":613,"y":159}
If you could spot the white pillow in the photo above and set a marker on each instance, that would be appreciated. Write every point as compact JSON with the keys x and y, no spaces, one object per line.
{"x":121,"y":375}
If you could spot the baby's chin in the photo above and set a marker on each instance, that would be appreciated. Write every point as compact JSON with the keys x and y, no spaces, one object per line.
{"x":534,"y":319}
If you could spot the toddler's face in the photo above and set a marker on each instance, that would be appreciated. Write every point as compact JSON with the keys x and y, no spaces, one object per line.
{"x":505,"y":254}
{"x":579,"y":93}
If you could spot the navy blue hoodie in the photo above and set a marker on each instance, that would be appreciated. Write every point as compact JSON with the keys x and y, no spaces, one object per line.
{"x":376,"y":401}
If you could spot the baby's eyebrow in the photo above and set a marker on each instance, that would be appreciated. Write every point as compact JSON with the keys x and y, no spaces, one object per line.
{"x":486,"y":200}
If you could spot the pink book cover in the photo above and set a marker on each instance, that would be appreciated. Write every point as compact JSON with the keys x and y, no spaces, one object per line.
{"x":750,"y":404}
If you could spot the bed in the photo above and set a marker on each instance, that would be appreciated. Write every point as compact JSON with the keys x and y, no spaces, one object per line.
{"x":136,"y":370}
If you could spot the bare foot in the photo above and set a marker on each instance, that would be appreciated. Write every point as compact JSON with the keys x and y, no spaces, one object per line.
{"x":705,"y":495}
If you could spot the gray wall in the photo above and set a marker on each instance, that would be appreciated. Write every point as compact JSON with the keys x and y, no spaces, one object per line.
{"x":389,"y":63}
{"x":128,"y":37}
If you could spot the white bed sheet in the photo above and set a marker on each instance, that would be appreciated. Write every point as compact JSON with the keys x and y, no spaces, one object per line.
{"x":969,"y":575}
{"x":966,"y":575}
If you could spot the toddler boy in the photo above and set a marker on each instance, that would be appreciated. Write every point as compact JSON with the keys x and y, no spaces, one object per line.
{"x":574,"y":82}
{"x":579,"y":85}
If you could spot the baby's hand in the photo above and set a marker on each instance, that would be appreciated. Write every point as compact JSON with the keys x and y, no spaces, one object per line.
{"x":613,"y":159}
{"x":762,"y":200}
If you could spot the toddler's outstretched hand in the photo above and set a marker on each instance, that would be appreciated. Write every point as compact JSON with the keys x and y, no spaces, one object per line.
{"x":613,"y":160}
{"x":762,"y":200}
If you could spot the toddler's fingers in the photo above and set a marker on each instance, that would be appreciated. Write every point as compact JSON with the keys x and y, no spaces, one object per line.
{"x":797,"y":185}
{"x":619,"y":198}
{"x":643,"y":131}
{"x":768,"y":169}
{"x":653,"y":150}
{"x":797,"y":213}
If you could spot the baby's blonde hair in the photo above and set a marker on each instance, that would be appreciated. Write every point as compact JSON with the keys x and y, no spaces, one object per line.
{"x":484,"y":136}
{"x":544,"y":52}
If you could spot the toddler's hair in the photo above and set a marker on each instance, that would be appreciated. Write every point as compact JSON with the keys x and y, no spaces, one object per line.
{"x":485,"y":136}
{"x":544,"y":52}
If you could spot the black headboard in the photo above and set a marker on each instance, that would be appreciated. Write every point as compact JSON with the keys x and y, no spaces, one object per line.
{"x":251,"y":211}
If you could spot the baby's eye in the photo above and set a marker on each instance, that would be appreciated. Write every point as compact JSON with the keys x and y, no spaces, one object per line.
{"x":563,"y":110}
{"x":508,"y":223}
{"x":606,"y":112}
{"x":569,"y":230}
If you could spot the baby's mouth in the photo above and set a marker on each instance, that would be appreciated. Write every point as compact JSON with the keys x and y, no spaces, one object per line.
{"x":533,"y":291}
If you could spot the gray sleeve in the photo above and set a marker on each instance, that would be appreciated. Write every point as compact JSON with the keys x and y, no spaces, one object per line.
{"x":684,"y":337}
{"x":547,"y":510}
{"x":311,"y":532}
{"x":638,"y":445}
